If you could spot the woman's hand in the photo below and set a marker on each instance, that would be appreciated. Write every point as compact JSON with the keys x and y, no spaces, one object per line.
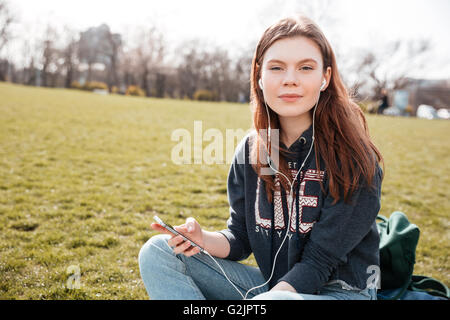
{"x":190,"y":229}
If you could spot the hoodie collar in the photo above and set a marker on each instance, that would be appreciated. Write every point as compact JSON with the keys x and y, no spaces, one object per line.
{"x":303,"y":142}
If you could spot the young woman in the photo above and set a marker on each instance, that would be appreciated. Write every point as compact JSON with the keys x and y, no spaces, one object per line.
{"x":304,"y":190}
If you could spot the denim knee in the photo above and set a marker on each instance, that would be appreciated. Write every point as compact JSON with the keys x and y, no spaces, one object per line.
{"x":151,"y":251}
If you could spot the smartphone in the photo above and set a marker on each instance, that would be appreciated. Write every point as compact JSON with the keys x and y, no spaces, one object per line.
{"x":175,"y":232}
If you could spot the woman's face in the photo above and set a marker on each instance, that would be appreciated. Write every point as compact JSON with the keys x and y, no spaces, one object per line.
{"x":292,"y":74}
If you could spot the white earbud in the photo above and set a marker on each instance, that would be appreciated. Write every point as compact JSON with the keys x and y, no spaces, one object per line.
{"x":260,"y":83}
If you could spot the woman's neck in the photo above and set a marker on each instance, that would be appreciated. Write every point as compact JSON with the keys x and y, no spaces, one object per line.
{"x":293,"y":127}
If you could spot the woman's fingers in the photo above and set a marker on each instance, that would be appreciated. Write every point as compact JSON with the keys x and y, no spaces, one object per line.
{"x":175,"y":241}
{"x":160,"y":228}
{"x":179,"y":245}
{"x":191,"y":251}
{"x":182,"y":247}
{"x":186,"y":248}
{"x":182,"y":229}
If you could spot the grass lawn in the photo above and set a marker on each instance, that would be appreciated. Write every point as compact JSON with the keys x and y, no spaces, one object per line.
{"x":81,"y":176}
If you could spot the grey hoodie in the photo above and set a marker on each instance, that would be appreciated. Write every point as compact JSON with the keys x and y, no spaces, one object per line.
{"x":326,"y":242}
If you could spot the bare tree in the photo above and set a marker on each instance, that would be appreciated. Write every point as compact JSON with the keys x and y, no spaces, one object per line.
{"x":242,"y":68}
{"x":111,"y":48}
{"x":203,"y":66}
{"x":6,"y":19}
{"x":28,"y":73}
{"x":225,"y":75}
{"x":149,"y":51}
{"x":390,"y":67}
{"x":49,"y":56}
{"x":126,"y":68}
{"x":190,"y":71}
{"x":69,"y":56}
{"x":217,"y":72}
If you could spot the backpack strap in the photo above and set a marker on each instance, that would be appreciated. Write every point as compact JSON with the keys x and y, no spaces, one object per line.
{"x":429,"y":285}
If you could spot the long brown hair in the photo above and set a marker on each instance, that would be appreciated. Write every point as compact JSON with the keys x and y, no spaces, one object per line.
{"x":341,"y":133}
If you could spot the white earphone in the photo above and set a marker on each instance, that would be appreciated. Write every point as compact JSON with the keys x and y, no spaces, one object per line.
{"x":260,"y":84}
{"x":324,"y":83}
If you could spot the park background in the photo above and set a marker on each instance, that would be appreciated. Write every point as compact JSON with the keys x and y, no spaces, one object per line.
{"x":92,"y":91}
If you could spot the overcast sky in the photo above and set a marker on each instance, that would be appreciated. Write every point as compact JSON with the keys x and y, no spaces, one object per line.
{"x":236,"y":23}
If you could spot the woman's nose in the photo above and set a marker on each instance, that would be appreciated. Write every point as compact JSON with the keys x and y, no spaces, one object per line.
{"x":290,"y":78}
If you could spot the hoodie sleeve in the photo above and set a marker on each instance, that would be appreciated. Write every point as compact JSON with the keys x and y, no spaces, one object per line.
{"x":236,"y":233}
{"x":340,"y":229}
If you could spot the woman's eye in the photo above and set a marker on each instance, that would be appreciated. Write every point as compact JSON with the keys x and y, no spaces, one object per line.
{"x":302,"y":68}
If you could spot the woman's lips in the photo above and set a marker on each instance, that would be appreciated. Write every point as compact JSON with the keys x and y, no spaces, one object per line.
{"x":290,"y":98}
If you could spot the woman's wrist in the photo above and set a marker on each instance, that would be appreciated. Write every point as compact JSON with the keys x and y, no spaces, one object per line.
{"x":215,"y":243}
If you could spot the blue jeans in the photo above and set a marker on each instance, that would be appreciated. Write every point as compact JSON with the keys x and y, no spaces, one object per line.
{"x":168,"y":276}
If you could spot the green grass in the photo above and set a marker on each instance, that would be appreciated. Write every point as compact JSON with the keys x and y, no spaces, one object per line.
{"x":81,"y":176}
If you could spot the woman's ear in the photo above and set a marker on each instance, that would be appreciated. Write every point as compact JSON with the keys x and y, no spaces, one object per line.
{"x":327,"y":78}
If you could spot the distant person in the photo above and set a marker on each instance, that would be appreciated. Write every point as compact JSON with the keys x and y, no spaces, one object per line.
{"x":308,"y":216}
{"x":384,"y":102}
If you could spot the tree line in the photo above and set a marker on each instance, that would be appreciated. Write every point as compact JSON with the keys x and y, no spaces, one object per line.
{"x":143,"y":63}
{"x":97,"y":58}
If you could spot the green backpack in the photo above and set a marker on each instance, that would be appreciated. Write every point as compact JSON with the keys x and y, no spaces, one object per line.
{"x":398,"y":242}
